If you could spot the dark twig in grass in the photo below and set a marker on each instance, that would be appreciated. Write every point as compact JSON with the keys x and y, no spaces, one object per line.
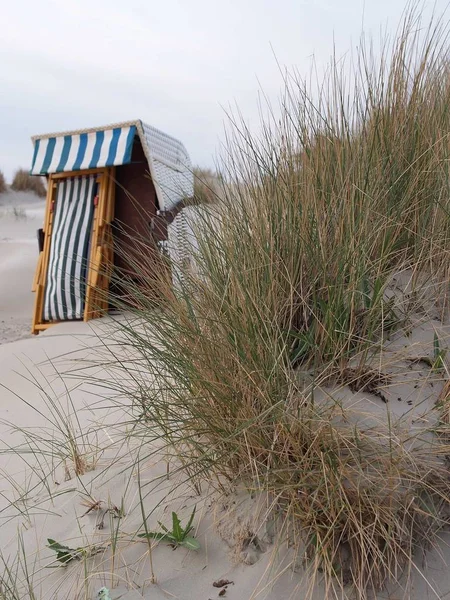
{"x":365,"y":380}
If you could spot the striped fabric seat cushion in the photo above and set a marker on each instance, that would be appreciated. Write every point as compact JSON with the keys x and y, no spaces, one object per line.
{"x":65,"y":289}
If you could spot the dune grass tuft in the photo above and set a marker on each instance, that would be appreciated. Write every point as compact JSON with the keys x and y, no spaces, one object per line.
{"x":207,"y":186}
{"x":3,"y":186}
{"x":294,"y":288}
{"x":24,"y":182}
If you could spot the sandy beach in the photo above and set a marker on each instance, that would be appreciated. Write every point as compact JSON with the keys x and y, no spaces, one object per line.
{"x":21,"y":214}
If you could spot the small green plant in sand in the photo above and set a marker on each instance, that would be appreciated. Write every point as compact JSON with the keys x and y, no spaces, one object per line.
{"x":103,"y":594}
{"x":435,"y":362}
{"x":65,"y":554}
{"x":179,"y":536}
{"x":439,"y":355}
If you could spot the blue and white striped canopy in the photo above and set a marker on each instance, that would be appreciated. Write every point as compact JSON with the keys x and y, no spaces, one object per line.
{"x":168,"y":162}
{"x":75,"y":152}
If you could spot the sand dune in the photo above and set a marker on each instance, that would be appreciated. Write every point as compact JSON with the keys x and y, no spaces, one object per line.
{"x":179,"y":574}
{"x":49,"y":501}
{"x":52,"y":411}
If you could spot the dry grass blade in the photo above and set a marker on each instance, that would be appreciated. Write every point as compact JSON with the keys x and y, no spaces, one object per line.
{"x":366,"y":380}
{"x":444,"y":403}
{"x":91,"y":505}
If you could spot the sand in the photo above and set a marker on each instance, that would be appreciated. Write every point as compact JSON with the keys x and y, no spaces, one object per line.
{"x":49,"y":402}
{"x":21,"y":214}
{"x":30,"y":512}
{"x":180,"y":573}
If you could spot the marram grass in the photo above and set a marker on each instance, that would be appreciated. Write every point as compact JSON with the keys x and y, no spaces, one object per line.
{"x":293,"y":278}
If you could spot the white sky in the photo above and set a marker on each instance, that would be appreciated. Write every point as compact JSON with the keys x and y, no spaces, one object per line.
{"x":69,"y":64}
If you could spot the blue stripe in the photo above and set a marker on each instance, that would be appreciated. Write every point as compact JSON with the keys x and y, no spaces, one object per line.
{"x":37,"y":143}
{"x":99,"y":137}
{"x":65,"y":153}
{"x":81,"y":152}
{"x":113,"y":147}
{"x":48,"y":155}
{"x":129,"y":146}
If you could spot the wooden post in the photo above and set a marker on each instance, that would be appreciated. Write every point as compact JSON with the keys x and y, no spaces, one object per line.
{"x":42,"y":266}
{"x":101,"y":256}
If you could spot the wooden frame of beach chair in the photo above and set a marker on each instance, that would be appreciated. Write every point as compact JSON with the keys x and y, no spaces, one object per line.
{"x":101,"y":249}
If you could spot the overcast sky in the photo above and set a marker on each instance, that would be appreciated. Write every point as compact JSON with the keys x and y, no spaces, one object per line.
{"x":69,"y":64}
